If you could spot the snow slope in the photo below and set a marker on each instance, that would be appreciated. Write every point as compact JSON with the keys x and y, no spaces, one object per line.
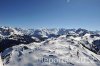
{"x":1,"y":63}
{"x":59,"y":51}
{"x":49,"y":47}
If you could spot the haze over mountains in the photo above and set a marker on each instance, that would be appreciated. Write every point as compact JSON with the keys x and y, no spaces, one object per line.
{"x":49,"y":47}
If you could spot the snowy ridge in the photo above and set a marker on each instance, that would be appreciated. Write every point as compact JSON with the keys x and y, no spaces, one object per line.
{"x":7,"y":31}
{"x":48,"y":53}
{"x":49,"y":47}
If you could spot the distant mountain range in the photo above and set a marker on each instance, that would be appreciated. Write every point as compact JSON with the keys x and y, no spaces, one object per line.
{"x":7,"y":31}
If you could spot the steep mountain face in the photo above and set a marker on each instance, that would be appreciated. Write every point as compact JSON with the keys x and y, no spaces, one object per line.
{"x":92,"y":42}
{"x":13,"y":36}
{"x":15,"y":40}
{"x":49,"y":47}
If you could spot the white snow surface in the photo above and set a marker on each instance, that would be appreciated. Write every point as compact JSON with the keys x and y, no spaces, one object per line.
{"x":1,"y":63}
{"x":59,"y":51}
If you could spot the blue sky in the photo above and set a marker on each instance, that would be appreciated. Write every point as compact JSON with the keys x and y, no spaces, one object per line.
{"x":50,"y":13}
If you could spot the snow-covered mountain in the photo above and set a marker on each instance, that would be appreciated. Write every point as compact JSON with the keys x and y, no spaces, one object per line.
{"x":59,"y":51}
{"x":49,"y":47}
{"x":8,"y":31}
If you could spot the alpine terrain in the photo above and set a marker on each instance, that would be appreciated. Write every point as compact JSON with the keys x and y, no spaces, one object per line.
{"x":49,"y":47}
